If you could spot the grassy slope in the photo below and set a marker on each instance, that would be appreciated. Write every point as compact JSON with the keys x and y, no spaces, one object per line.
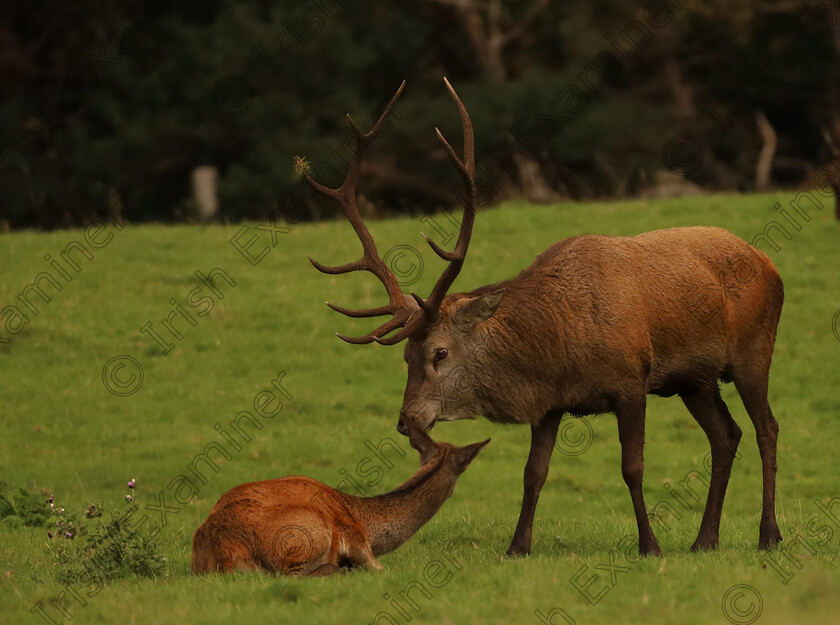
{"x":63,"y":432}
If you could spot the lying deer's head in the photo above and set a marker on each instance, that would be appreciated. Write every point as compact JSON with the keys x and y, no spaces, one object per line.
{"x":444,"y":332}
{"x":456,"y":459}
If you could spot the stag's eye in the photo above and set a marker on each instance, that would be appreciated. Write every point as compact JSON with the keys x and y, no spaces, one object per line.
{"x":440,"y":354}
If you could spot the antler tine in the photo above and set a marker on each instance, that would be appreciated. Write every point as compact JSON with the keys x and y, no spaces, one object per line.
{"x":346,"y":268}
{"x":363,"y":143}
{"x":399,"y":305}
{"x":356,"y":340}
{"x":450,"y":256}
{"x":467,"y":166}
{"x":455,"y":258}
{"x":400,"y":319}
{"x":411,"y":325}
{"x":356,"y":314}
{"x":420,"y":301}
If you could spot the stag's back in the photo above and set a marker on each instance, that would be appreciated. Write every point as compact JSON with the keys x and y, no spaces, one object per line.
{"x":677,"y":306}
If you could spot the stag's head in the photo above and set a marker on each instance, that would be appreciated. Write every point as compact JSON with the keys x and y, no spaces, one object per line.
{"x":447,"y":334}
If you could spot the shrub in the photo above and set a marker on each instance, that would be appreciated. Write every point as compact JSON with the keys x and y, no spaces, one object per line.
{"x":27,"y":507}
{"x":99,"y":550}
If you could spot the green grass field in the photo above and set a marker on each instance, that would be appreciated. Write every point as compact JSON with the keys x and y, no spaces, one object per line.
{"x":64,"y":433}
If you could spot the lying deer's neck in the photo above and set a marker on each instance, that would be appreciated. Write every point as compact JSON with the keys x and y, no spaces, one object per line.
{"x":392,"y":519}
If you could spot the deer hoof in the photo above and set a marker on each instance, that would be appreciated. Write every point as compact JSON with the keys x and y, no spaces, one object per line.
{"x":704,"y":545}
{"x":650,"y":550}
{"x":767,"y":542}
{"x":518,"y":552}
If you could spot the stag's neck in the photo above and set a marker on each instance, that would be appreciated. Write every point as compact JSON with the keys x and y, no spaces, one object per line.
{"x":391,"y":519}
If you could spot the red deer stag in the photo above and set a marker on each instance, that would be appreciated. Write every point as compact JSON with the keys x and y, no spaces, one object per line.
{"x":299,"y":526}
{"x":624,"y":321}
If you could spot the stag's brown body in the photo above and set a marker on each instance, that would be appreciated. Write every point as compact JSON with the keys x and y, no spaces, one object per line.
{"x":299,"y":526}
{"x":594,"y":325}
{"x":599,"y":319}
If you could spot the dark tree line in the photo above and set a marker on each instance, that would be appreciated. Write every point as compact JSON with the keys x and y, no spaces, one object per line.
{"x":112,"y":105}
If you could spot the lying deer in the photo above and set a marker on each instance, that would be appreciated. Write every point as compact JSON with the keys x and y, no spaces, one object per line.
{"x":299,"y":526}
{"x":594,"y":325}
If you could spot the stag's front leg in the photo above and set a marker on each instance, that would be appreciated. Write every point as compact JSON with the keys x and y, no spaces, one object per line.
{"x":543,"y":436}
{"x":631,"y":434}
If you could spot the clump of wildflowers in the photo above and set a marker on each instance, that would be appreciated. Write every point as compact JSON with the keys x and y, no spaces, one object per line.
{"x":105,"y":550}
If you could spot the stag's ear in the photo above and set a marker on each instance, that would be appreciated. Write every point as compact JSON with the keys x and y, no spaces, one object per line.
{"x":421,"y":441}
{"x":465,"y":455}
{"x":474,"y":310}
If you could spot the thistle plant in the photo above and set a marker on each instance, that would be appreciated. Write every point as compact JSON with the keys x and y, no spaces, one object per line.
{"x":102,"y":550}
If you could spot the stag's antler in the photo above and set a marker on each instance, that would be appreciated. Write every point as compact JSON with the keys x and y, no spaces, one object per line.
{"x":401,"y":307}
{"x":404,"y":308}
{"x":455,"y":258}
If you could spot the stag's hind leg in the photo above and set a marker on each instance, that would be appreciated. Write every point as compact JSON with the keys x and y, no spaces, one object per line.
{"x":752,"y":386}
{"x":631,"y":433}
{"x":710,"y":411}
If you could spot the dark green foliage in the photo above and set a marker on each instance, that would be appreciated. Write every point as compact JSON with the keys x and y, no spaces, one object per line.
{"x":95,"y":550}
{"x":27,"y":507}
{"x":189,"y":85}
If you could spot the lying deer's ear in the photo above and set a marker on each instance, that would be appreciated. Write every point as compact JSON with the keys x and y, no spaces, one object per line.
{"x":465,"y":455}
{"x":474,"y":310}
{"x":418,"y":438}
